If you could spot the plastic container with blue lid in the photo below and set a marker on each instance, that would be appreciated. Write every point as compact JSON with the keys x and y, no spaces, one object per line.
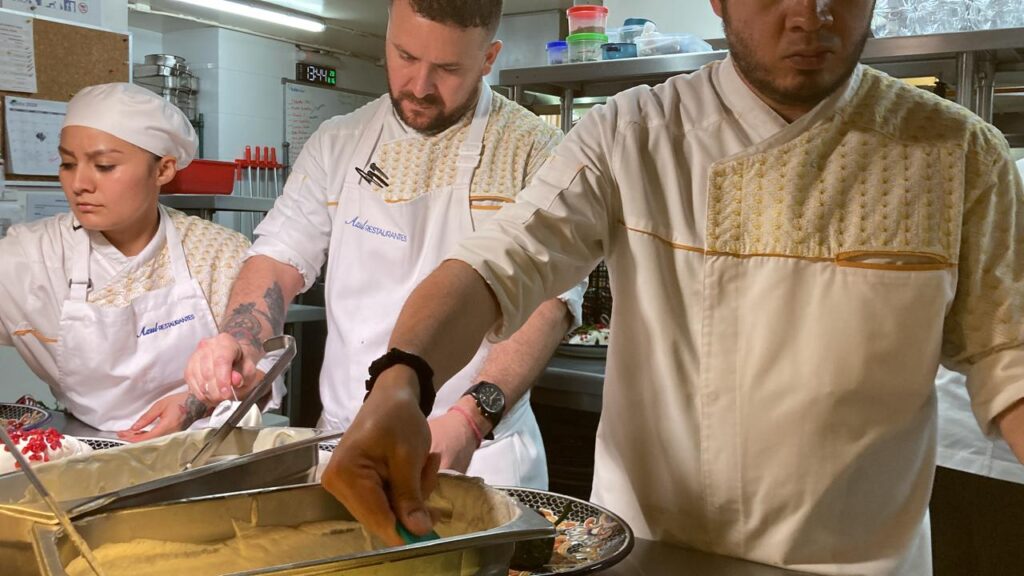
{"x":558,"y":52}
{"x":617,"y":50}
{"x":636,"y":22}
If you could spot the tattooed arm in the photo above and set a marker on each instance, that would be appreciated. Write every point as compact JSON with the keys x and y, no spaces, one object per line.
{"x":169,"y":414}
{"x":256,"y":311}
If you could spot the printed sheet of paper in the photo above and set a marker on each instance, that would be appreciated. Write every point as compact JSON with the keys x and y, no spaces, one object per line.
{"x":33,"y":133}
{"x":17,"y":54}
{"x":40,"y":205}
{"x":79,"y":11}
{"x":11,"y":213}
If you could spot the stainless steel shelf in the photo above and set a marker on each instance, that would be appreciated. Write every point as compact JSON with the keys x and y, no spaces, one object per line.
{"x":935,"y":51}
{"x":216,"y":203}
{"x":553,"y":79}
{"x":931,"y":45}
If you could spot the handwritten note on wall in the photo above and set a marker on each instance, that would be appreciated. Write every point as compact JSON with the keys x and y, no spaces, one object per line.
{"x":306,"y":107}
{"x":17,"y":54}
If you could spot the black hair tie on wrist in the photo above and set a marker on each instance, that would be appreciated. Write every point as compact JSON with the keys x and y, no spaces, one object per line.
{"x":424,"y":373}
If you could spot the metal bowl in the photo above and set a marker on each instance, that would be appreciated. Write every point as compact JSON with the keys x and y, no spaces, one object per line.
{"x":100,"y":443}
{"x":30,"y":416}
{"x":590,"y":539}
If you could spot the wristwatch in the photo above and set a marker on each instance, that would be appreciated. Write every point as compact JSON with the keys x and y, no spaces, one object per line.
{"x":490,"y":400}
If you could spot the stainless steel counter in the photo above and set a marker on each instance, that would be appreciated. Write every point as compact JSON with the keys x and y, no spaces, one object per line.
{"x":571,"y":382}
{"x":650,"y":558}
{"x":67,"y":424}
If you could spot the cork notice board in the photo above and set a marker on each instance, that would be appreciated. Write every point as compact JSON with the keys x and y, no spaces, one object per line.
{"x":69,"y":58}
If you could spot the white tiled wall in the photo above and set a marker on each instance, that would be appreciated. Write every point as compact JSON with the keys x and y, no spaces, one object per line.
{"x":145,"y":42}
{"x":115,"y":15}
{"x":18,"y":380}
{"x":240,"y":91}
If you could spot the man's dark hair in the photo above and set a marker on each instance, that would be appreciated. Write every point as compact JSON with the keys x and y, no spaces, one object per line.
{"x":484,"y":14}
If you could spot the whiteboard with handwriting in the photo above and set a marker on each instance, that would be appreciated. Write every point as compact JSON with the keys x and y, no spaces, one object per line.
{"x":306,"y":107}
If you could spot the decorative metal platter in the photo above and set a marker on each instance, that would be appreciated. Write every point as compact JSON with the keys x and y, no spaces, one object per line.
{"x":327,"y":445}
{"x":101,"y":443}
{"x":24,"y":417}
{"x":583,"y":350}
{"x":589,"y":539}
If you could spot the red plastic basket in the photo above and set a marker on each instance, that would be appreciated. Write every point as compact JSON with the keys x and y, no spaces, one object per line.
{"x":203,"y":177}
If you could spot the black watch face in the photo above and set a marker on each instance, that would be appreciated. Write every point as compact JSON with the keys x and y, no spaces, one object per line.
{"x":491,"y":398}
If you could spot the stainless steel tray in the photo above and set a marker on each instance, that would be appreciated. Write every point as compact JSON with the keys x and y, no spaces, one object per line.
{"x":210,"y":519}
{"x":290,"y":464}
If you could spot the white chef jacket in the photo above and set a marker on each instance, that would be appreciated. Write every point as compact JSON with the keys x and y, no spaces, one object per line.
{"x":783,"y":295}
{"x":35,"y":265}
{"x":298,"y":230}
{"x":962,"y":445}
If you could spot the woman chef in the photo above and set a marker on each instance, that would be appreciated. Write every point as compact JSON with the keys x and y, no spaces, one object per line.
{"x":106,"y":303}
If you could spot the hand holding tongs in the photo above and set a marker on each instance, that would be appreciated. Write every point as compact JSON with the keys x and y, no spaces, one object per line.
{"x":270,"y":345}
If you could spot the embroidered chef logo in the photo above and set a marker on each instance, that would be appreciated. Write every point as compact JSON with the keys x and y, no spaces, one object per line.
{"x":365,"y":226}
{"x":161,"y":326}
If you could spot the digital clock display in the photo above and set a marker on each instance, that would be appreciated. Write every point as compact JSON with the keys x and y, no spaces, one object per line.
{"x":316,"y":74}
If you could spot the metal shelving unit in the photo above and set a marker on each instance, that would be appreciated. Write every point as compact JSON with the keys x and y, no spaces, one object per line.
{"x":972,"y":62}
{"x":204,"y":205}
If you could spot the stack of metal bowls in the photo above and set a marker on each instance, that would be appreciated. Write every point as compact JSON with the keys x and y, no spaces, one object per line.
{"x":169,"y":77}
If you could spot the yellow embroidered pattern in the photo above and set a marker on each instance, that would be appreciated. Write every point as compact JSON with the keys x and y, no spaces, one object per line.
{"x":214,"y":255}
{"x":516,"y":143}
{"x":897,"y":170}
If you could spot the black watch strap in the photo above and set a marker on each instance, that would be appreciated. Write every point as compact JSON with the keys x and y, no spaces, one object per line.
{"x":424,"y":373}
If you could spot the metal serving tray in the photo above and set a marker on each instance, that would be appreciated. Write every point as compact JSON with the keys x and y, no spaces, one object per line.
{"x":291,"y":464}
{"x":210,"y":519}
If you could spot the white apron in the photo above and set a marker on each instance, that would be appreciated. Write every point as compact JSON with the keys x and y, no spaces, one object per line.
{"x":115,"y":363}
{"x":379,"y":253}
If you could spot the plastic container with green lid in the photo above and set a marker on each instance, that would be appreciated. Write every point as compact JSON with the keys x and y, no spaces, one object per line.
{"x":585,"y":47}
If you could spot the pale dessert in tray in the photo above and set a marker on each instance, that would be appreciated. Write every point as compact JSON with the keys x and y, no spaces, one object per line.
{"x":460,"y":505}
{"x":39,"y":447}
{"x":81,"y":474}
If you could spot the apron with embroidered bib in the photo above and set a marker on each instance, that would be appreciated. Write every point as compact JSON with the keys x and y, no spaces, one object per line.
{"x":115,"y":363}
{"x":379,"y":253}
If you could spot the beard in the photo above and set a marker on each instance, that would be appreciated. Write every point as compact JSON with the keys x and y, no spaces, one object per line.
{"x":809,"y":90}
{"x":429,"y":118}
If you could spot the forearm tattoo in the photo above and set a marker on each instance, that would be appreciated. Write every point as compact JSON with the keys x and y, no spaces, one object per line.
{"x":274,"y":299}
{"x":244,"y":325}
{"x":245,"y":322}
{"x":192,"y":410}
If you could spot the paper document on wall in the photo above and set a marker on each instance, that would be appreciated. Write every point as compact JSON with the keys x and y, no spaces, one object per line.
{"x":11,"y":213}
{"x":17,"y":54}
{"x":32,"y":128}
{"x":80,"y":11}
{"x":39,"y":205}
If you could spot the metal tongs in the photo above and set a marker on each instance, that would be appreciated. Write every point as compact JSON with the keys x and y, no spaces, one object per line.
{"x":285,"y":342}
{"x":47,"y":497}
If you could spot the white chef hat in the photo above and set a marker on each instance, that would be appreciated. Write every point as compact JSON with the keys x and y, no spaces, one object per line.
{"x":135,"y":115}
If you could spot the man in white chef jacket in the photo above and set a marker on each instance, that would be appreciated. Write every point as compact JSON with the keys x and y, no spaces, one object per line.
{"x":794,"y":243}
{"x":386,"y":191}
